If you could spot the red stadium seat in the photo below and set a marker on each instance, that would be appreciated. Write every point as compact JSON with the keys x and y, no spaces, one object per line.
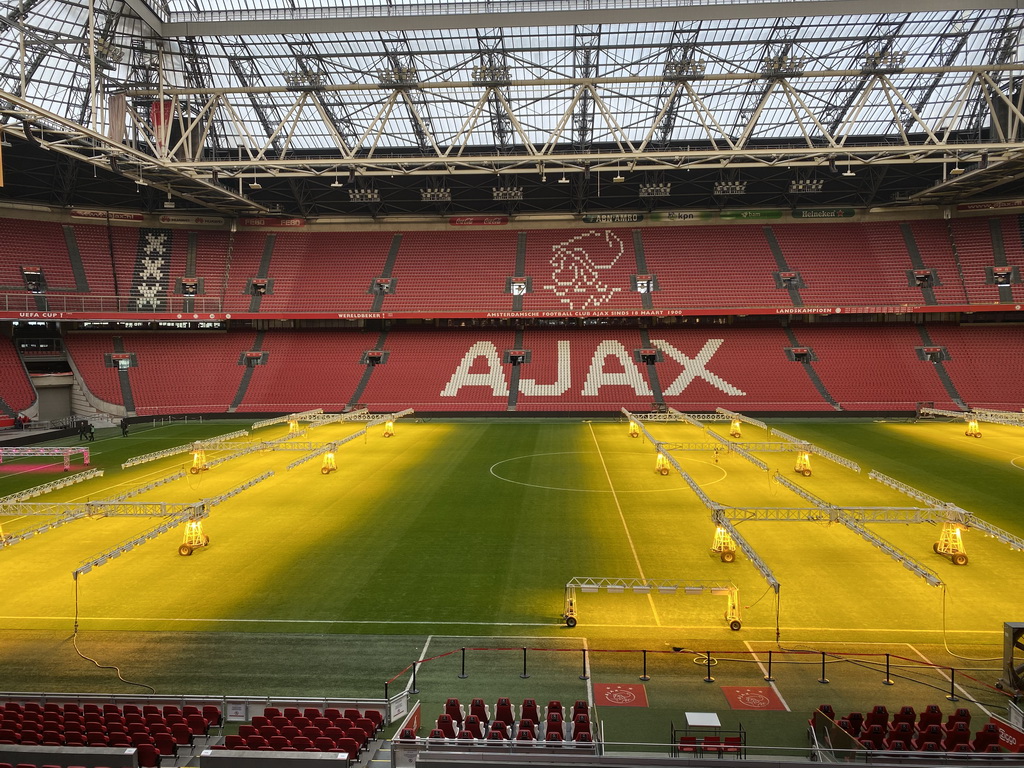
{"x":376,"y":717}
{"x":989,"y":734}
{"x":905,"y":715}
{"x":148,"y":756}
{"x":959,"y":734}
{"x":359,"y":736}
{"x":474,"y":726}
{"x":213,"y":715}
{"x":234,"y":741}
{"x":878,"y":715}
{"x":453,"y":709}
{"x":529,"y":710}
{"x":165,"y":744}
{"x":481,"y":710}
{"x":278,"y":743}
{"x":931,"y":715}
{"x":349,"y":746}
{"x":961,"y":715}
{"x":932,"y":734}
{"x":199,"y":725}
{"x":446,"y":725}
{"x":503,"y":711}
{"x":370,"y":727}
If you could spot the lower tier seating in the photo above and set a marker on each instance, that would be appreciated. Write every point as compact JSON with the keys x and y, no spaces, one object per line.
{"x":812,"y":367}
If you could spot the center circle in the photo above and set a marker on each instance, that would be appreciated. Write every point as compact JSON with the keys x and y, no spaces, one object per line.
{"x":497,"y":470}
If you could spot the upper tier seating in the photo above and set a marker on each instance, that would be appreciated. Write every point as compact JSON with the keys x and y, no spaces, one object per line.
{"x":33,"y":244}
{"x":449,"y":272}
{"x":581,"y":270}
{"x":712,"y":266}
{"x":466,"y":270}
{"x":314,"y":272}
{"x":849,"y":264}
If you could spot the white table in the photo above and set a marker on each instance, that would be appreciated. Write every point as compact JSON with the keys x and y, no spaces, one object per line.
{"x":703,"y":720}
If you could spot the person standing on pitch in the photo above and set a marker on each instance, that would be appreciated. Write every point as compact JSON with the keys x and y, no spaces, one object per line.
{"x":124,"y":427}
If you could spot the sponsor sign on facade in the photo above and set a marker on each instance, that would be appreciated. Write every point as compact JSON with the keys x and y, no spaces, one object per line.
{"x":477,"y":221}
{"x":990,"y":206}
{"x":612,"y":218}
{"x":190,"y":220}
{"x":752,"y":214}
{"x":78,"y":213}
{"x":824,"y":213}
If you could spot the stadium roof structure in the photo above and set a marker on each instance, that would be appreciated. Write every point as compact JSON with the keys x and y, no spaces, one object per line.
{"x":493,"y":107}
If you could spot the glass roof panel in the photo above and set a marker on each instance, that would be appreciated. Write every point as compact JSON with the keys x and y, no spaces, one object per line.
{"x":627,"y":62}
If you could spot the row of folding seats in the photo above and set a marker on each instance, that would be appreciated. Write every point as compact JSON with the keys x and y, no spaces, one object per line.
{"x":330,"y":713}
{"x":505,"y":711}
{"x":29,"y":709}
{"x":352,"y":746}
{"x":498,"y":736}
{"x":909,"y":731}
{"x":291,"y":733}
{"x":525,"y":725}
{"x":719,"y":746}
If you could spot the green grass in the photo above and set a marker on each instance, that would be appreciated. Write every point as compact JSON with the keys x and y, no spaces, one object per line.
{"x":463,"y":534}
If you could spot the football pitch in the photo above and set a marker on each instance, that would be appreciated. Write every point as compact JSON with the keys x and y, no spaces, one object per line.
{"x":460,"y":534}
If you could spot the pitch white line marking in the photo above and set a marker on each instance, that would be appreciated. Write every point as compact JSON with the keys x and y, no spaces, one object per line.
{"x":622,"y":517}
{"x":942,"y":672}
{"x":590,"y":675}
{"x":764,"y":671}
{"x":559,"y":488}
{"x":423,"y":655}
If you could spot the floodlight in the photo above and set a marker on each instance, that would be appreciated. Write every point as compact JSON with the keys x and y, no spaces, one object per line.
{"x":589,"y":588}
{"x":364,"y":196}
{"x":507,"y":193}
{"x":692,"y":590}
{"x":642,"y":589}
{"x":662,"y":189}
{"x":720,"y":591}
{"x":729,"y":188}
{"x":667,"y":590}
